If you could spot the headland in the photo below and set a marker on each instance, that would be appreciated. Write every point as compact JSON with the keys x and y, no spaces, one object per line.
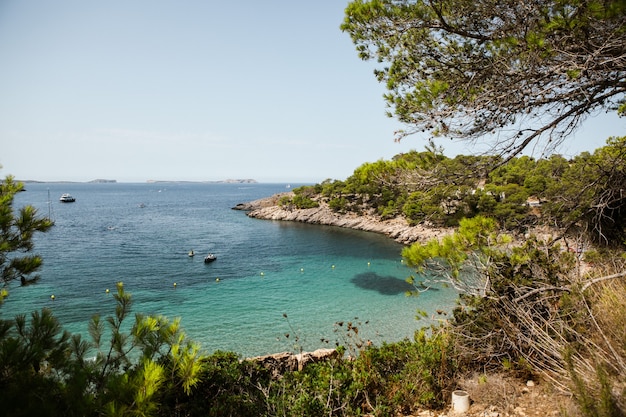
{"x":396,"y":228}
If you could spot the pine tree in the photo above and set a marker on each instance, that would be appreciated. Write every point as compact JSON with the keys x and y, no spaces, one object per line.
{"x":17,"y":228}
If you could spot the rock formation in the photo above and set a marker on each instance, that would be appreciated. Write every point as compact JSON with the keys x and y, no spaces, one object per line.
{"x":280,"y":363}
{"x":396,"y":228}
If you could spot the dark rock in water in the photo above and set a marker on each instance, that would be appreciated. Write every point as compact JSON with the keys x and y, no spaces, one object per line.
{"x":384,"y":285}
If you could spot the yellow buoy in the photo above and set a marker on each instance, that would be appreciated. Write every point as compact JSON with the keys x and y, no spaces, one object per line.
{"x":52,"y":297}
{"x":217,"y":280}
{"x":107,"y":291}
{"x":174,"y":285}
{"x":368,"y":264}
{"x":333,"y":267}
{"x":262,"y":274}
{"x":301,"y":269}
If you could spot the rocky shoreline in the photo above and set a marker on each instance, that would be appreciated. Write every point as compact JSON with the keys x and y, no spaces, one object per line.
{"x":397,"y":228}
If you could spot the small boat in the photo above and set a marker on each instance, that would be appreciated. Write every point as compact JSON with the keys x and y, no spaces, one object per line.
{"x":209,"y":258}
{"x":191,"y":253}
{"x":67,"y":198}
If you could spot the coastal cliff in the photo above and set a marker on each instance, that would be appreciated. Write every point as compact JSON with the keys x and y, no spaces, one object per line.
{"x":396,"y":228}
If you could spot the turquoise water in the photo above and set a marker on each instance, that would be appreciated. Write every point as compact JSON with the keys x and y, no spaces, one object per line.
{"x":140,"y":234}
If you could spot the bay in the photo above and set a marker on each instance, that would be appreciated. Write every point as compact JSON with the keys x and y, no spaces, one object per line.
{"x":276,"y":286}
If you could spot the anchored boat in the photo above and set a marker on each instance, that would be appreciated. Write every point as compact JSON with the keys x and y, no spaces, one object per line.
{"x":67,"y":198}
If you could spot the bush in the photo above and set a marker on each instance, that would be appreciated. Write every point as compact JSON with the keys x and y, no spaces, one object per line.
{"x":227,"y":387}
{"x":407,"y":375}
{"x":304,"y":202}
{"x":338,"y":204}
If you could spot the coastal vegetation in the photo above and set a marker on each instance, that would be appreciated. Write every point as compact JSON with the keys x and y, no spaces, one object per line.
{"x":582,"y":193}
{"x":535,"y":306}
{"x":536,"y":249}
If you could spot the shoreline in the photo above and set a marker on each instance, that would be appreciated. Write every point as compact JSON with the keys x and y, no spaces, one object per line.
{"x":397,"y":228}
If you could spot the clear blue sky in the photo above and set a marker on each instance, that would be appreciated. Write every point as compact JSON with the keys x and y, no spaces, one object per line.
{"x":194,"y":90}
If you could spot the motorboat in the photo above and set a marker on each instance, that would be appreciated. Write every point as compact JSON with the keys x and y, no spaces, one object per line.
{"x":191,"y":253}
{"x":67,"y":198}
{"x":209,"y":258}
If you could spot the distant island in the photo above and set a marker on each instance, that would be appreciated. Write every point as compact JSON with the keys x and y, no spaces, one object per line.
{"x":105,"y":181}
{"x":102,"y":181}
{"x":228,"y":181}
{"x":96,"y":181}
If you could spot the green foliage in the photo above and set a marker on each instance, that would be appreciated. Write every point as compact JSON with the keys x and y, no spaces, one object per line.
{"x":384,"y":381}
{"x":31,"y":353}
{"x":302,"y":198}
{"x":303,"y":202}
{"x":408,"y":375}
{"x":44,"y":370}
{"x":319,"y":389}
{"x":473,"y":239}
{"x":531,"y":310}
{"x":599,"y":400}
{"x":590,"y":192}
{"x":442,"y":64}
{"x":227,"y":386}
{"x":17,"y":228}
{"x":338,"y":204}
{"x":415,"y":209}
{"x":430,"y":189}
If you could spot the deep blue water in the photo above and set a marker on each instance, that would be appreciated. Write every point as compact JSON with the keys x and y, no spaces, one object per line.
{"x":140,"y":234}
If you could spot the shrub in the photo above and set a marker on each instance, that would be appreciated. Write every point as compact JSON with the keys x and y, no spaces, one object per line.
{"x":338,"y":204}
{"x":304,"y":202}
{"x":227,"y":386}
{"x":407,"y":375}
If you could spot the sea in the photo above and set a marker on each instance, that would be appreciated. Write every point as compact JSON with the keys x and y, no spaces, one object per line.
{"x":276,"y":286}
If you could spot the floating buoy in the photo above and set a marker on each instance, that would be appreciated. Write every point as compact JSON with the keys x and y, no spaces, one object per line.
{"x":174,"y":285}
{"x":368,"y":264}
{"x":107,"y":291}
{"x":262,"y":274}
{"x":301,"y":269}
{"x":52,"y":297}
{"x":333,"y":267}
{"x":217,"y":280}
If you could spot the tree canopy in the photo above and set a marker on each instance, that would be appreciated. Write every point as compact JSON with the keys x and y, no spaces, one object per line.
{"x":583,"y":194}
{"x":523,"y":72}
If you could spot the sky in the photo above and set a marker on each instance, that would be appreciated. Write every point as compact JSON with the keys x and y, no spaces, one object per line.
{"x":196,"y":90}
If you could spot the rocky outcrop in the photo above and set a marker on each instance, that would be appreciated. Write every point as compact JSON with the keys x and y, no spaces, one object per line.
{"x":263,"y":202}
{"x":396,"y":228}
{"x":280,"y":363}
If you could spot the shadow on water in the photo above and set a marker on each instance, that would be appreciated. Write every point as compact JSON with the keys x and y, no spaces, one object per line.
{"x":387,"y":285}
